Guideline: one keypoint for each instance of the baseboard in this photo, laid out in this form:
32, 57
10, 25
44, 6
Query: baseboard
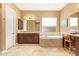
4, 51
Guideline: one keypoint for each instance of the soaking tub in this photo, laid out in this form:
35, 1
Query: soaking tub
54, 40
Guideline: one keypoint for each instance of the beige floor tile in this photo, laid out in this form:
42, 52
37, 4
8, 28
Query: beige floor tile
35, 50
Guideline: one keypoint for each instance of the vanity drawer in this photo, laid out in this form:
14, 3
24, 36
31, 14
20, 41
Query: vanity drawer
72, 37
77, 46
77, 52
77, 40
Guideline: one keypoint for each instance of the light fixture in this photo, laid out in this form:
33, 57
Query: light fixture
30, 18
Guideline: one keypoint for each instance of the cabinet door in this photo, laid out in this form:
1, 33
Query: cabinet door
77, 42
20, 38
36, 38
28, 38
73, 41
77, 52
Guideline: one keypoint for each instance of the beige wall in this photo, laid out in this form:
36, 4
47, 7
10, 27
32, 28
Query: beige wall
0, 5
69, 9
40, 14
13, 6
66, 12
0, 27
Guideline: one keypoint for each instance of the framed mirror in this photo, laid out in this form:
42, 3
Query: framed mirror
20, 24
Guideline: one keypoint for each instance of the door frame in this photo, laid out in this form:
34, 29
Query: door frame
14, 25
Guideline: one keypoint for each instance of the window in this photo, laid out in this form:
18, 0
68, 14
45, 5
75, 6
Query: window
49, 24
73, 24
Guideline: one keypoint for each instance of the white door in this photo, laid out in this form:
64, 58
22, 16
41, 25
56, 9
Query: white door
10, 27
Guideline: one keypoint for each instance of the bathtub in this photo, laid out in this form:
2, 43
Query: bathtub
54, 41
54, 37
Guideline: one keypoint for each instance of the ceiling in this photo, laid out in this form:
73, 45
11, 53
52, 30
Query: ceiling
41, 6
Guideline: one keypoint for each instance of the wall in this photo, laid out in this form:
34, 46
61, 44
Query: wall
0, 27
13, 6
66, 12
69, 9
40, 14
0, 5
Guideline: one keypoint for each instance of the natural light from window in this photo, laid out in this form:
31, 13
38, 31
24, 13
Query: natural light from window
73, 24
49, 24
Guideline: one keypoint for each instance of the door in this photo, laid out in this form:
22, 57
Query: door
10, 27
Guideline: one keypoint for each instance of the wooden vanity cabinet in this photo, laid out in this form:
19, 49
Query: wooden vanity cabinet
72, 43
75, 44
36, 38
67, 42
19, 38
28, 38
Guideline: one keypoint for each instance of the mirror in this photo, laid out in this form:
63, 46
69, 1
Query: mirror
33, 26
64, 23
20, 24
73, 22
29, 25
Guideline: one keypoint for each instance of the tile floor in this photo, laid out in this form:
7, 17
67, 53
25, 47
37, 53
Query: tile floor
35, 50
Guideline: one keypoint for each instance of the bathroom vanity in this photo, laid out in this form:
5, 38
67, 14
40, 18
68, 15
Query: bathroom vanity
75, 44
71, 41
28, 32
28, 38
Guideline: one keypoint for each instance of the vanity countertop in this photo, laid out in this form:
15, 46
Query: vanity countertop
72, 34
75, 35
26, 32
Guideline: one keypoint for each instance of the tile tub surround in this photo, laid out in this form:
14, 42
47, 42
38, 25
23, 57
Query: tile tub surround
54, 40
52, 43
35, 50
